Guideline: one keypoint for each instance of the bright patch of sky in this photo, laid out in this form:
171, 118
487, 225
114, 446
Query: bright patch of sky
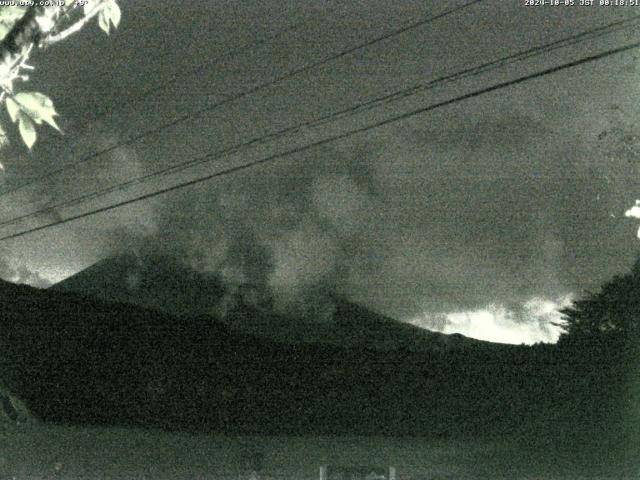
533, 322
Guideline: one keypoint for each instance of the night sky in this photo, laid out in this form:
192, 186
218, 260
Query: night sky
482, 217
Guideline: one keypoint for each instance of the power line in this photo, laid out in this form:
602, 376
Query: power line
517, 57
333, 138
476, 70
245, 93
148, 92
194, 71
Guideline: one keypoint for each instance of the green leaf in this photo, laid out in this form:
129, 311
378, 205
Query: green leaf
4, 29
103, 21
114, 13
13, 108
3, 138
109, 15
10, 14
38, 106
27, 129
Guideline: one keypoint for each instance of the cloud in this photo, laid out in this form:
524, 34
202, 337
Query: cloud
413, 223
20, 274
528, 323
463, 217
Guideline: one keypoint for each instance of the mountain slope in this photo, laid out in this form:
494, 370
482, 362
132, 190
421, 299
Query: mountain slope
165, 284
77, 360
157, 282
352, 326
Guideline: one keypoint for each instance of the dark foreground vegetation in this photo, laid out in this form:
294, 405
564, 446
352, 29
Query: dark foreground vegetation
79, 361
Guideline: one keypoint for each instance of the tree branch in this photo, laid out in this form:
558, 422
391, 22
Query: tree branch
76, 27
29, 30
13, 41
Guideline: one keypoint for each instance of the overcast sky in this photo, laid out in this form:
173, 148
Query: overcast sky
482, 217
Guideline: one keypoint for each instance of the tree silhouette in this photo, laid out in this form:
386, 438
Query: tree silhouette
610, 317
600, 356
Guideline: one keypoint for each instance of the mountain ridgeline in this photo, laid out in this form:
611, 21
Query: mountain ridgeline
111, 354
163, 283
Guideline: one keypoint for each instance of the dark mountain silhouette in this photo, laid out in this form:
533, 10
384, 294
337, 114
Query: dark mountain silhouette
165, 284
78, 360
158, 282
74, 359
352, 326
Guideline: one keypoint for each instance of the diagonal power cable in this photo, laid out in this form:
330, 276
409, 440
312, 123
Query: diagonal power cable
347, 134
256, 88
394, 96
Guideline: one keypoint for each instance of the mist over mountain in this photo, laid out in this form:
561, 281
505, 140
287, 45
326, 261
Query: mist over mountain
160, 282
118, 364
165, 283
271, 225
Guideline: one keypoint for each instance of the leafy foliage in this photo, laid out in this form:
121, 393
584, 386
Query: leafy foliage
3, 137
38, 106
8, 17
611, 315
27, 129
602, 339
109, 15
30, 109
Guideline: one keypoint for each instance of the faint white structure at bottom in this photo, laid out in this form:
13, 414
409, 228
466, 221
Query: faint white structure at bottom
331, 472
